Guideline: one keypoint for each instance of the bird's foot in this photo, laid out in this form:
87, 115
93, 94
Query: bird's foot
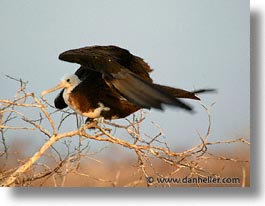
90, 124
96, 122
100, 120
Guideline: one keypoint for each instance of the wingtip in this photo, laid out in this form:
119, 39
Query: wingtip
68, 56
62, 56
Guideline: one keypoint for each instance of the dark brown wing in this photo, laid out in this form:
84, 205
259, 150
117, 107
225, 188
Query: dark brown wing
99, 58
125, 73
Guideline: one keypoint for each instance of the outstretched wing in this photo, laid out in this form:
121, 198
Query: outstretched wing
124, 72
95, 56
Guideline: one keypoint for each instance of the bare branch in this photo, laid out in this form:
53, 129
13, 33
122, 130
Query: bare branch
151, 151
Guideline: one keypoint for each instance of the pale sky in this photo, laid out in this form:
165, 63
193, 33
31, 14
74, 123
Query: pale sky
189, 44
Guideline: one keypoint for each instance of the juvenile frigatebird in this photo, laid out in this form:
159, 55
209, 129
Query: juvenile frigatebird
112, 83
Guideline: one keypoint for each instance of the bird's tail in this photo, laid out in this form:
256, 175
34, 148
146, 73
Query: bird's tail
181, 93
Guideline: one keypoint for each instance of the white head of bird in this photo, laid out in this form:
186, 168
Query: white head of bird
68, 82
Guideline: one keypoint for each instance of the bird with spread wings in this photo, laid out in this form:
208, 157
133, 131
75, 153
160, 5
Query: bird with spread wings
112, 83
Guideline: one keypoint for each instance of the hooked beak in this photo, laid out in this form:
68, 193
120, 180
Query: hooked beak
58, 86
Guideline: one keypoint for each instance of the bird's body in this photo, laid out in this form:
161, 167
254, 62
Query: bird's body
112, 83
94, 98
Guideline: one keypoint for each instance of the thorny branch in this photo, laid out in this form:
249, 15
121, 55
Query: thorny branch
148, 149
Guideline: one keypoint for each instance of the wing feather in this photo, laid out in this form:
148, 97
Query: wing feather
126, 73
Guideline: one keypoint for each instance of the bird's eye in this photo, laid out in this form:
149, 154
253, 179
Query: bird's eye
68, 80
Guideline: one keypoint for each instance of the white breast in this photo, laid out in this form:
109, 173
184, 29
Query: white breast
97, 112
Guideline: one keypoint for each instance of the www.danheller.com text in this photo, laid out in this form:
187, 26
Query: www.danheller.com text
194, 180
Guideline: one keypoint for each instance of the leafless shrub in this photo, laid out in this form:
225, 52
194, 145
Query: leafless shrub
154, 157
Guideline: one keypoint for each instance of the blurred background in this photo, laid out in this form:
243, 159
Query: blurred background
190, 44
